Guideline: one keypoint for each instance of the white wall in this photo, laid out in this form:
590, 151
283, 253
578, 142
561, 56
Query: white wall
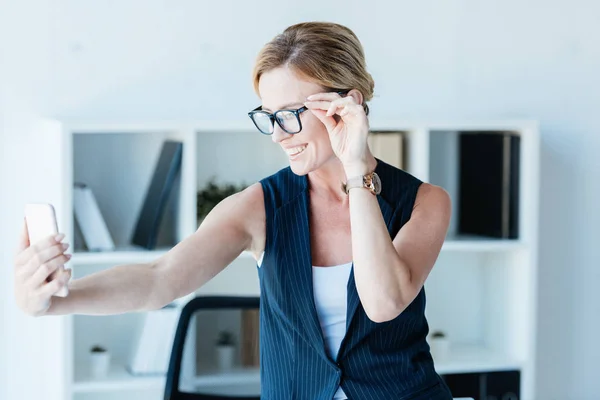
459, 59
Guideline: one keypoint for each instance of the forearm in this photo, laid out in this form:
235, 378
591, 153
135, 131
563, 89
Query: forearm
382, 280
117, 290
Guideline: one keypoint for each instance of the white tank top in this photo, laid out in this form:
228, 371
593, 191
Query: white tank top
330, 295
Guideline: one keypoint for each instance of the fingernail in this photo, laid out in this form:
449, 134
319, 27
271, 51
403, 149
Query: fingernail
65, 246
310, 97
68, 256
59, 237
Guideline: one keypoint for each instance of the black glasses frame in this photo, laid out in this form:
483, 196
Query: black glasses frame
273, 116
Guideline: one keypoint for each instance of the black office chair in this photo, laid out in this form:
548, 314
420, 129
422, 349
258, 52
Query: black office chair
172, 388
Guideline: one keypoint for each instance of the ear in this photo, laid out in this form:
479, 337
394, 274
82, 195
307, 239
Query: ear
357, 95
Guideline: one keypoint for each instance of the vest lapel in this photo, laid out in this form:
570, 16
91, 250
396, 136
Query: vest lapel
295, 237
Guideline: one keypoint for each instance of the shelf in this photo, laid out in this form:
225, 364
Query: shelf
126, 255
481, 244
122, 255
118, 379
469, 359
236, 376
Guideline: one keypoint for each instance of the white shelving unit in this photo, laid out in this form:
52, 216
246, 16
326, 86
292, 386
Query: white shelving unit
482, 291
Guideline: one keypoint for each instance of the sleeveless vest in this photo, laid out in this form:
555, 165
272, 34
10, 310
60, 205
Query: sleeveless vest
389, 360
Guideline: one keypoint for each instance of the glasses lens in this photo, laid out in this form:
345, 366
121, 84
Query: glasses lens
263, 122
288, 120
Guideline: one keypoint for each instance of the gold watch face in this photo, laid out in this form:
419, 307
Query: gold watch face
376, 183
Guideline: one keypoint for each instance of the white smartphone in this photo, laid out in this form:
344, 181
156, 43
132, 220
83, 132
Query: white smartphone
41, 223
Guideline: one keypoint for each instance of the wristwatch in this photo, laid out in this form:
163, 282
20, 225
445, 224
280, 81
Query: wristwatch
369, 181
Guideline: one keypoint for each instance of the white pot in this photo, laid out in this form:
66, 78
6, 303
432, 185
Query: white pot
225, 357
99, 364
440, 348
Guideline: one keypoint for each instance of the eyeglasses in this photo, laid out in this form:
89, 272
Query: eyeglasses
288, 119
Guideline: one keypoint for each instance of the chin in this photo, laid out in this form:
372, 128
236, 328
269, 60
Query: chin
299, 169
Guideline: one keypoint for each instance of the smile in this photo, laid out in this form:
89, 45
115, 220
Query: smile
294, 151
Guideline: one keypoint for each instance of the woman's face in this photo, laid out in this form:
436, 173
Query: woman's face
309, 149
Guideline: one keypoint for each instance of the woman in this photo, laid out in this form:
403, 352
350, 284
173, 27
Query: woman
344, 242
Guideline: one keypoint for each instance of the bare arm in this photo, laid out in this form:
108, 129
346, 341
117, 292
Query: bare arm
390, 273
233, 226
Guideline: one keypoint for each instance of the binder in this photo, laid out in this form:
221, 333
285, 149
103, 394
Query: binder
89, 219
489, 184
165, 172
388, 146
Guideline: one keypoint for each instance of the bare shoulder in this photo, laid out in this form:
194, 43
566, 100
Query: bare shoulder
246, 210
433, 199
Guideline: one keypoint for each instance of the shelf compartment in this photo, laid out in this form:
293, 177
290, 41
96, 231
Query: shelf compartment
475, 359
118, 168
117, 379
457, 161
481, 244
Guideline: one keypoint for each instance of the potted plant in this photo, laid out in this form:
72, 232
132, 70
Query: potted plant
225, 350
439, 345
99, 361
211, 195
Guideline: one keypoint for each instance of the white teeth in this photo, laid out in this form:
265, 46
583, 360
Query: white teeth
295, 150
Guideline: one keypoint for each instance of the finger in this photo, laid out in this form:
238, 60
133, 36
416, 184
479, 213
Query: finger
53, 269
43, 245
318, 104
328, 96
50, 289
42, 257
350, 109
329, 122
339, 104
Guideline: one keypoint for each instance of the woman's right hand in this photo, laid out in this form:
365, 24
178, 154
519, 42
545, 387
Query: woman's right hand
34, 264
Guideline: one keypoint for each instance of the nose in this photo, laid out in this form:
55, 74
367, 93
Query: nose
279, 134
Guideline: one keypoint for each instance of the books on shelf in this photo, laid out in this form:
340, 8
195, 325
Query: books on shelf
489, 184
165, 173
90, 223
153, 348
388, 146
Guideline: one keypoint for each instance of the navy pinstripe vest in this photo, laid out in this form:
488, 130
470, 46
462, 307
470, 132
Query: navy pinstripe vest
389, 360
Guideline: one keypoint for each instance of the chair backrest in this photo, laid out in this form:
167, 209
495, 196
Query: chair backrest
172, 389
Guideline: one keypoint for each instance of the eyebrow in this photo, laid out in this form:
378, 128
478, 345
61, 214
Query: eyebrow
284, 106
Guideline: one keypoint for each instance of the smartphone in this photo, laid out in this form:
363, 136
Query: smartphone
41, 223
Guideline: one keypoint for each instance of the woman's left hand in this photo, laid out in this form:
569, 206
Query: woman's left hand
346, 123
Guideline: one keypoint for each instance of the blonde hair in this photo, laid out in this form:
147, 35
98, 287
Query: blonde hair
328, 54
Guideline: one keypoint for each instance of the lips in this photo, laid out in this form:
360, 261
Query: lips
294, 151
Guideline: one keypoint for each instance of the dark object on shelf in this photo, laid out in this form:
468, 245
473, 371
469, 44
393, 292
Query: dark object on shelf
165, 173
226, 338
501, 385
173, 391
213, 194
97, 349
489, 184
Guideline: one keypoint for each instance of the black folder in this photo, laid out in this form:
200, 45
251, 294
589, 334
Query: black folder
489, 184
165, 173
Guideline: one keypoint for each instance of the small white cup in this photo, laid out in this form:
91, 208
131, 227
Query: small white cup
225, 357
99, 364
440, 348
